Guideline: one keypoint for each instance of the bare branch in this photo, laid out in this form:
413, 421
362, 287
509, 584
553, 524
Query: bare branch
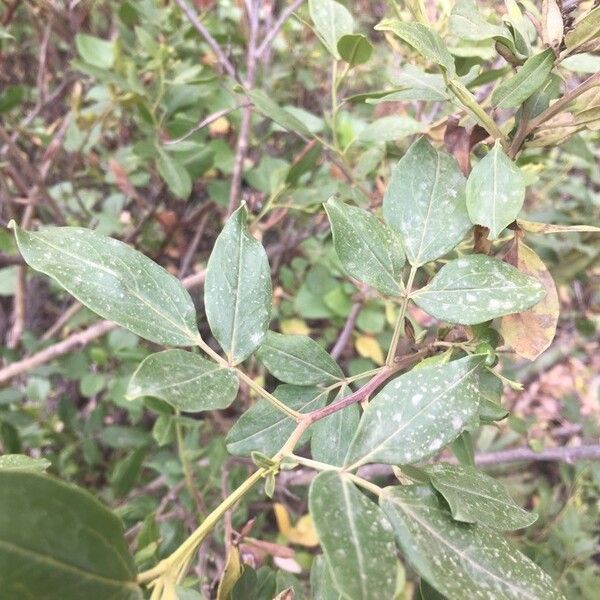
272, 34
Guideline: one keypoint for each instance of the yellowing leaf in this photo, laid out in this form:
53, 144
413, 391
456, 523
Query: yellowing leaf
231, 573
294, 327
302, 533
368, 347
531, 332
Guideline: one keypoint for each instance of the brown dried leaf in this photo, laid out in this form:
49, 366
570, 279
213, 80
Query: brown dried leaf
531, 332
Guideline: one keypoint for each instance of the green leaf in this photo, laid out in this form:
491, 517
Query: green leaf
237, 291
184, 380
474, 497
127, 471
115, 281
264, 104
425, 202
332, 435
355, 49
332, 21
94, 51
11, 96
298, 359
417, 414
461, 560
587, 28
532, 75
423, 40
57, 541
495, 191
357, 541
390, 129
467, 23
21, 462
415, 84
322, 586
265, 429
477, 288
175, 175
369, 250
490, 396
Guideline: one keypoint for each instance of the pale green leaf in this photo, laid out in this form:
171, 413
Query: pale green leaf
184, 380
95, 51
585, 29
270, 109
237, 291
415, 84
532, 75
174, 174
461, 560
423, 40
332, 435
115, 281
368, 249
390, 129
322, 586
357, 541
263, 428
298, 359
474, 497
21, 462
332, 21
477, 288
495, 191
467, 23
417, 414
425, 202
354, 48
57, 541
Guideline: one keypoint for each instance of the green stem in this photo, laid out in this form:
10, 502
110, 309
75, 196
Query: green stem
400, 320
183, 459
313, 464
278, 404
363, 483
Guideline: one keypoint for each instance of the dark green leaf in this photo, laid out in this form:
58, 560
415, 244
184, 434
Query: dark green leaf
298, 359
477, 288
356, 539
127, 471
532, 75
265, 429
474, 497
355, 49
495, 191
57, 541
270, 109
184, 380
458, 559
237, 291
425, 202
115, 281
417, 414
11, 96
369, 250
174, 175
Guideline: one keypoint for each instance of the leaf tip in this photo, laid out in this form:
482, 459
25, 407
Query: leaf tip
12, 224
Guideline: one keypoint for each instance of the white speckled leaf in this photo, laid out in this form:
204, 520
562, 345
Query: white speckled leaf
184, 380
477, 288
425, 202
357, 540
237, 290
495, 191
265, 429
332, 435
298, 359
369, 250
458, 559
417, 414
22, 462
115, 281
321, 581
474, 497
332, 21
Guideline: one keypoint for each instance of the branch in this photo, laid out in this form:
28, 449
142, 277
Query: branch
346, 332
272, 34
208, 38
75, 340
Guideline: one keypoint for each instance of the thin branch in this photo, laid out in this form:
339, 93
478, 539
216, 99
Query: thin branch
568, 454
190, 13
347, 330
272, 34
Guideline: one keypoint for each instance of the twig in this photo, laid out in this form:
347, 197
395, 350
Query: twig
272, 34
208, 38
241, 150
76, 340
193, 246
347, 330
